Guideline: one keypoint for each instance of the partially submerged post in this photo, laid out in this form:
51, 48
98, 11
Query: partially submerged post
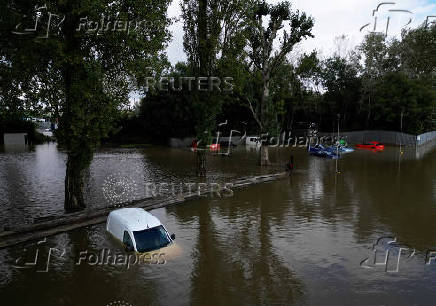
201, 162
290, 165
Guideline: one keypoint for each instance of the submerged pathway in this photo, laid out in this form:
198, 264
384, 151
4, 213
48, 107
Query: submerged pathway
49, 226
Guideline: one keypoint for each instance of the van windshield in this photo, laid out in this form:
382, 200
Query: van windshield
151, 239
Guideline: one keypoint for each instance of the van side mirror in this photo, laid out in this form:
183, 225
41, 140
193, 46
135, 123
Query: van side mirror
173, 236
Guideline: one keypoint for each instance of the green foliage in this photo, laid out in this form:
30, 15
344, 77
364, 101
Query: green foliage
265, 60
167, 114
84, 76
417, 52
369, 87
340, 78
396, 93
398, 76
215, 47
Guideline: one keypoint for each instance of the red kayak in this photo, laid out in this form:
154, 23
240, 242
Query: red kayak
214, 147
372, 145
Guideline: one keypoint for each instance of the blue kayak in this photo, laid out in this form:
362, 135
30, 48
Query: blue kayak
321, 151
341, 149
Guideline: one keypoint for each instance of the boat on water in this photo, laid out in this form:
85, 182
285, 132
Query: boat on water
372, 145
341, 149
214, 147
345, 149
321, 151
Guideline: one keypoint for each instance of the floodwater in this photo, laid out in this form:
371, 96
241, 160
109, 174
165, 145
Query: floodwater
306, 240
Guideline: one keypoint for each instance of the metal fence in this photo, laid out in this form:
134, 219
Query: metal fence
425, 138
387, 137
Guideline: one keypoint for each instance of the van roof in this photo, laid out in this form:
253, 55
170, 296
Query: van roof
136, 219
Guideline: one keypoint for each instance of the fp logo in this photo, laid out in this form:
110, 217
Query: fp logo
387, 253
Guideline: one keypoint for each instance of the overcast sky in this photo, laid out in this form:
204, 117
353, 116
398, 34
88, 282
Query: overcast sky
333, 18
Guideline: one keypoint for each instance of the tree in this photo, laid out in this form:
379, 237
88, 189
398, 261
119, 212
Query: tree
266, 61
340, 77
374, 50
392, 72
396, 93
416, 51
93, 67
166, 114
295, 92
211, 34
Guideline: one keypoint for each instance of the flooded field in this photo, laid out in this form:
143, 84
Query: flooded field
310, 239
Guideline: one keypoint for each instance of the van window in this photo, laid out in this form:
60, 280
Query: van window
127, 240
151, 239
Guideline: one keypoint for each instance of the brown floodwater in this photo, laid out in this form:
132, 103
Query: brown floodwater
300, 240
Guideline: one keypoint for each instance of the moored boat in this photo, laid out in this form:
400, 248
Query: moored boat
372, 145
341, 149
320, 151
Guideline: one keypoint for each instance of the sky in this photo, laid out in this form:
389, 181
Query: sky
333, 18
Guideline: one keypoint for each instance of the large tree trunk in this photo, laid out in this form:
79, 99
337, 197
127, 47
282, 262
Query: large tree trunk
74, 184
71, 128
265, 97
265, 118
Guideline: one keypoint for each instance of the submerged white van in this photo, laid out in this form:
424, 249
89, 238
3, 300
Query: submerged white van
138, 230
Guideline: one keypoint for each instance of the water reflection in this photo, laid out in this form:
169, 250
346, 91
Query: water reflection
235, 255
33, 182
299, 240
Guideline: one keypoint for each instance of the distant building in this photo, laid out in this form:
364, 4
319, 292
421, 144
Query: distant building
14, 138
14, 141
